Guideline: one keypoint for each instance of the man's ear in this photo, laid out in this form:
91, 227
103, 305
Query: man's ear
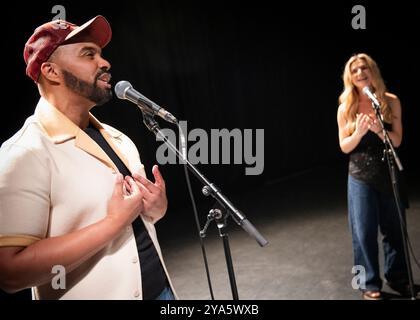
50, 71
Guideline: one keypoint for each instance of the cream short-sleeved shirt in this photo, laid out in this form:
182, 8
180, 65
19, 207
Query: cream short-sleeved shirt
54, 179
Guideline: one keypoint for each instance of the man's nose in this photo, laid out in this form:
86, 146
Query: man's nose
104, 64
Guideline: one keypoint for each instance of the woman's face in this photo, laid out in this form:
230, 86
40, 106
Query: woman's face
361, 75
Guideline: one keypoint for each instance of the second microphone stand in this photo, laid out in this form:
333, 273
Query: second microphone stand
392, 158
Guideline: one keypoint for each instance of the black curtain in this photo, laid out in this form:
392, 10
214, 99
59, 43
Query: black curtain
231, 64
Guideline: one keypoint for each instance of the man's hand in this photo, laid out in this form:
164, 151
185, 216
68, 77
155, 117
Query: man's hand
125, 206
155, 202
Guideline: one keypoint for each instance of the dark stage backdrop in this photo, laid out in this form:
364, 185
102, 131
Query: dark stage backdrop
232, 64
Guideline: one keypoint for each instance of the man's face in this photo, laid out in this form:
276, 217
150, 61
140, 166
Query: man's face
88, 90
84, 71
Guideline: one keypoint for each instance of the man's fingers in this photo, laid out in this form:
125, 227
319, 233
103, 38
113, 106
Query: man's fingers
127, 185
150, 186
134, 187
142, 179
144, 190
158, 176
118, 188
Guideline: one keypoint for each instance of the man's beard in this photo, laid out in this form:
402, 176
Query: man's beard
87, 90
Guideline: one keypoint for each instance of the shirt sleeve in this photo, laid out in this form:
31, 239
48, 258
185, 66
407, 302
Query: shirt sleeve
24, 196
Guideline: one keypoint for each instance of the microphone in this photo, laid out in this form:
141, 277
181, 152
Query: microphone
124, 90
372, 97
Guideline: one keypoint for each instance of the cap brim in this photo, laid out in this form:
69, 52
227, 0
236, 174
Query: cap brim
96, 30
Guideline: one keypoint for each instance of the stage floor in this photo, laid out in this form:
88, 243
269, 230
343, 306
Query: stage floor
304, 217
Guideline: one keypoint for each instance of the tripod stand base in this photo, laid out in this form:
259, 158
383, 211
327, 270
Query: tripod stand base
404, 290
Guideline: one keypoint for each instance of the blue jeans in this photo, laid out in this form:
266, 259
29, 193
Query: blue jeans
368, 210
166, 294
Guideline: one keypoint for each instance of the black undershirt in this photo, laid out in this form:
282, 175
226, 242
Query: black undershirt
152, 273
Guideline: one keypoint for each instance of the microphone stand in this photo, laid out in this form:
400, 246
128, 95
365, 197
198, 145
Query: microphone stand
210, 189
392, 159
220, 216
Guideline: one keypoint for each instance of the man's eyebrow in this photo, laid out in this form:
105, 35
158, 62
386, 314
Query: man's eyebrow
91, 48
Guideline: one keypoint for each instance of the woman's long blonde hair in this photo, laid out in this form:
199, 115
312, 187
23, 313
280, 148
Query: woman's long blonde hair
350, 97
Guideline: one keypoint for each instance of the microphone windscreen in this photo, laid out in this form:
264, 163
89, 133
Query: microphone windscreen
121, 88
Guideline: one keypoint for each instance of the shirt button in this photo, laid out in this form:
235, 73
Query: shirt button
136, 293
134, 260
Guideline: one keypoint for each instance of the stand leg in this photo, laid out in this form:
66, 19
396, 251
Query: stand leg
221, 224
403, 225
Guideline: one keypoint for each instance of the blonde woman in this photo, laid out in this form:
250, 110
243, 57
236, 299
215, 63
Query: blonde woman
371, 203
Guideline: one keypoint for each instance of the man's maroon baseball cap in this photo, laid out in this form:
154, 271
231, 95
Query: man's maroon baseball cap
47, 37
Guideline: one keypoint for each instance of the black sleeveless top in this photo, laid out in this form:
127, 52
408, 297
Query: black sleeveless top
366, 165
152, 274
366, 162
